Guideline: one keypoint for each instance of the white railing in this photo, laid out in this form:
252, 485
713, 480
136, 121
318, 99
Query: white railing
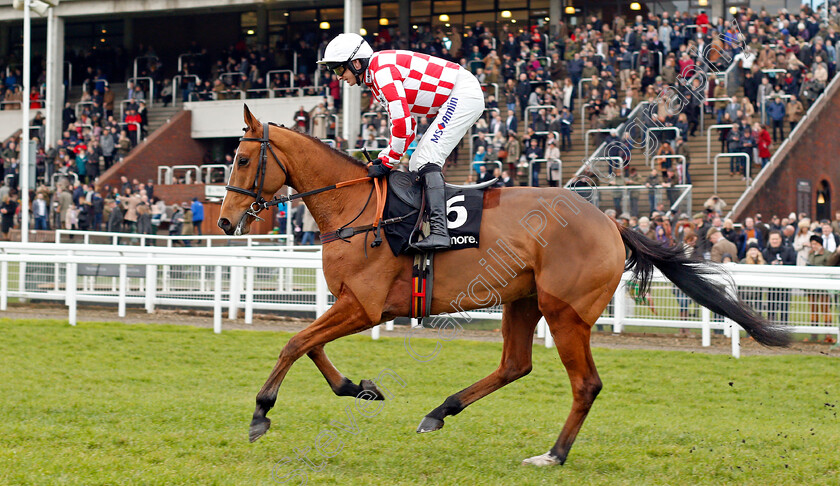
107, 238
292, 280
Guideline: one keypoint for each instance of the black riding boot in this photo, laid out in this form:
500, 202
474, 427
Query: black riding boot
438, 238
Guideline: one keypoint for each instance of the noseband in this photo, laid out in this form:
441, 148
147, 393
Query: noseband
259, 179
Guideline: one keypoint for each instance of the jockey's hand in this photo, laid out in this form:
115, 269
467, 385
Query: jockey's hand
377, 169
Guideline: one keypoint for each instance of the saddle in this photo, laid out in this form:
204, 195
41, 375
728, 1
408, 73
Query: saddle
405, 196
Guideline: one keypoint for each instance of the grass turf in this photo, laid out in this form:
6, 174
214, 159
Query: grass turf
142, 404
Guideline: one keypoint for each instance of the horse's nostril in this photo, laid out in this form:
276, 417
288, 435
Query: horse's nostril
224, 223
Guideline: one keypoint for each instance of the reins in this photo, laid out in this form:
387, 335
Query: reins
342, 233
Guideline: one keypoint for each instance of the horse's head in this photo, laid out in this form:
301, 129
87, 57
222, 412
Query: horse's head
256, 175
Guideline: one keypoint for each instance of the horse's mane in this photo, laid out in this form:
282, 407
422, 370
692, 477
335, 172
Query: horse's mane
335, 151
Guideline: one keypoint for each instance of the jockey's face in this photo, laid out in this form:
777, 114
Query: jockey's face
348, 76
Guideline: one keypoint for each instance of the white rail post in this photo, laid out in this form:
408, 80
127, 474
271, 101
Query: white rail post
389, 326
22, 280
541, 328
123, 285
619, 308
706, 322
151, 287
4, 284
374, 332
71, 292
321, 292
549, 339
249, 295
235, 292
217, 300
736, 340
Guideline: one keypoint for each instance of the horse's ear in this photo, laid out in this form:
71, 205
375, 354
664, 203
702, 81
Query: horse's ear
250, 121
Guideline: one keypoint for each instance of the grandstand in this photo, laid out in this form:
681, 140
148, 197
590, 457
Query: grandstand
178, 97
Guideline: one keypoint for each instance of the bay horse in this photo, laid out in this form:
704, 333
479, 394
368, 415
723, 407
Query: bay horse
555, 255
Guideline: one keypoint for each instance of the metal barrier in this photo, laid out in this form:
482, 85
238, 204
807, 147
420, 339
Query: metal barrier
534, 162
69, 74
580, 88
208, 169
586, 138
734, 155
138, 131
58, 176
176, 82
181, 59
97, 238
235, 74
619, 130
684, 170
657, 129
764, 105
636, 59
278, 71
188, 170
164, 174
79, 106
583, 108
529, 109
151, 100
85, 84
142, 57
709, 139
496, 163
495, 89
710, 100
274, 91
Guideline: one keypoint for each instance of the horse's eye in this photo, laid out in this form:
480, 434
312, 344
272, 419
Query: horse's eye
243, 161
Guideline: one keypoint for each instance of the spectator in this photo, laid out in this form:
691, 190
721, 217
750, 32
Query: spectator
777, 254
776, 112
197, 215
819, 300
115, 218
40, 212
720, 246
802, 242
830, 240
310, 227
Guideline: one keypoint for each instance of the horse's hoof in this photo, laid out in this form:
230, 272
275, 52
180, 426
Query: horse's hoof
368, 385
547, 459
259, 426
429, 424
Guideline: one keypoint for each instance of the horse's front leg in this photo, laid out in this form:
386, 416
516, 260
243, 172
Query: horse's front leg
346, 316
340, 384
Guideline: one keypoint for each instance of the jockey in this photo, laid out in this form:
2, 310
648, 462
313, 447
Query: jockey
412, 84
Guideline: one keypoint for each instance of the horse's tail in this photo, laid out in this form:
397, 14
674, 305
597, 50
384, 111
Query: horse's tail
691, 277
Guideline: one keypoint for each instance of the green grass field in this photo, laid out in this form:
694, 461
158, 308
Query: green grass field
135, 404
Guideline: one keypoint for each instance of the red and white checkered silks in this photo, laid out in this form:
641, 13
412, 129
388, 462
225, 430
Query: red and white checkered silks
408, 84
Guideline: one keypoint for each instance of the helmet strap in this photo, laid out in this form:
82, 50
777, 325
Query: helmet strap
358, 72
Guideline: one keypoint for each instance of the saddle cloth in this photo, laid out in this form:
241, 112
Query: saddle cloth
463, 204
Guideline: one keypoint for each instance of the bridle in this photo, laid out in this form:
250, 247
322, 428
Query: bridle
260, 203
259, 179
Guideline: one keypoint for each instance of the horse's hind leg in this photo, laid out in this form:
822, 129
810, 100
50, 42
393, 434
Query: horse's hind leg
571, 335
518, 322
340, 385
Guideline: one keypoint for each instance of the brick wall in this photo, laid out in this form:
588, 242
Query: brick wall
813, 156
171, 144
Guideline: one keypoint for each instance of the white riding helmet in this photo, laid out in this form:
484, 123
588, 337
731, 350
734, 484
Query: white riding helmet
345, 48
